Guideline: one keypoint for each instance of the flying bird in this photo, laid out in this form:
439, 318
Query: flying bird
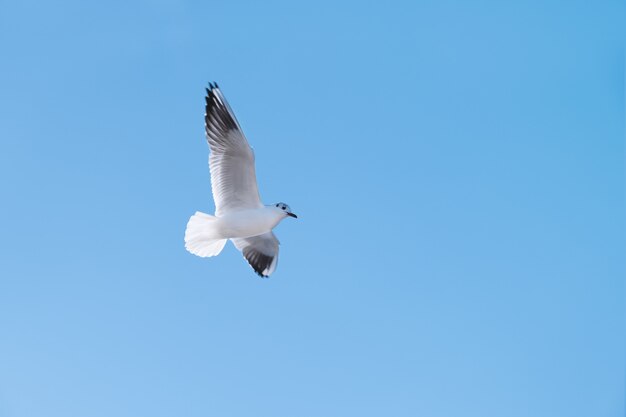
239, 214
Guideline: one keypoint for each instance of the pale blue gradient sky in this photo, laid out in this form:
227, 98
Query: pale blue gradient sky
458, 172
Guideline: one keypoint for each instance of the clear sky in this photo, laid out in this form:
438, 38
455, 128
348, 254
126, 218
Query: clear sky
458, 171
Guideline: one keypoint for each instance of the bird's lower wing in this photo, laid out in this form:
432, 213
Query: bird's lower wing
260, 251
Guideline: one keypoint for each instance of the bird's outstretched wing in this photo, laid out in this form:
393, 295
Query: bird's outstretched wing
233, 179
260, 251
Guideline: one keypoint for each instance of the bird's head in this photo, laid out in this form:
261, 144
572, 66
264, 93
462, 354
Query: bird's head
285, 209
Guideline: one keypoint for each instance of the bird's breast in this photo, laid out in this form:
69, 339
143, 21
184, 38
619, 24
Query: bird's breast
246, 223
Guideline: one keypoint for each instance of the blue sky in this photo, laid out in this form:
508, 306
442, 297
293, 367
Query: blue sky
458, 171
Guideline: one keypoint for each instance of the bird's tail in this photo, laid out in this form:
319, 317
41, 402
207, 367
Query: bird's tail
200, 236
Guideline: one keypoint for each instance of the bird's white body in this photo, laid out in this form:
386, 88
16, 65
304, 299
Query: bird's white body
245, 223
239, 214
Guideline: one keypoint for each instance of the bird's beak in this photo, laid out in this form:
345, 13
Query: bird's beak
292, 215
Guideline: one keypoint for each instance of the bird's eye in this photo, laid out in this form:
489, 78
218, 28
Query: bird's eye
276, 205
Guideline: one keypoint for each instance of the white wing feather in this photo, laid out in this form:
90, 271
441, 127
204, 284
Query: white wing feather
233, 178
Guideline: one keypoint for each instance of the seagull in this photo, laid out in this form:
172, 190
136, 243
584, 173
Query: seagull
239, 214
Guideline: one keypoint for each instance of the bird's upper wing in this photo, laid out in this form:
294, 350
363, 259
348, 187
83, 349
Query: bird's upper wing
233, 179
260, 251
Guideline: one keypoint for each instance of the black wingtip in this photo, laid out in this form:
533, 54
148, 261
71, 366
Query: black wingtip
259, 273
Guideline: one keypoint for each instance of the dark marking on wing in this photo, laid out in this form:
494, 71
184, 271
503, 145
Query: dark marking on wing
218, 119
257, 260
